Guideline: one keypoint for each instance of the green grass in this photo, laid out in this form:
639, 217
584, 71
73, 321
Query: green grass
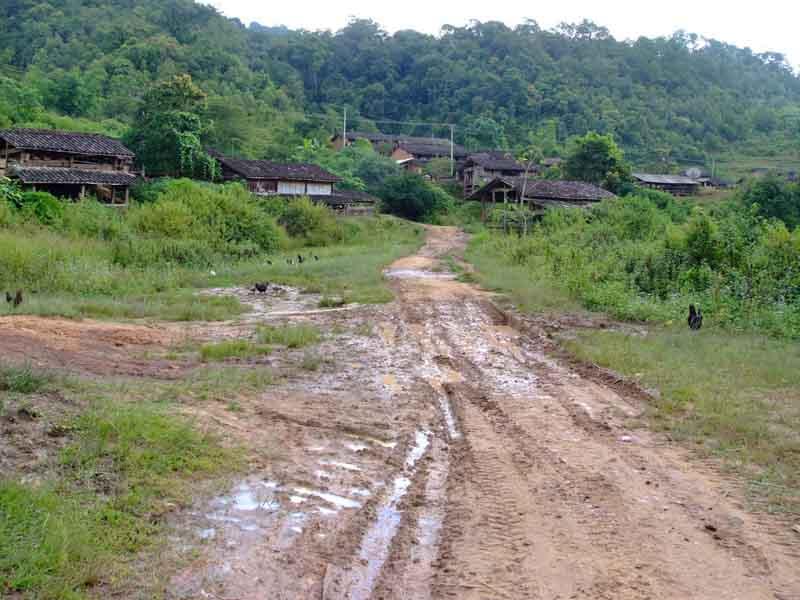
124, 469
734, 396
291, 336
23, 379
529, 292
219, 351
74, 278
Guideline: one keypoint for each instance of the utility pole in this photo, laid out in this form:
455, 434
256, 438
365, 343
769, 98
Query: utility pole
344, 128
452, 154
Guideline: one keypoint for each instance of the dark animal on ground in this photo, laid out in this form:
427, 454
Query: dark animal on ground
269, 262
9, 297
695, 319
300, 259
316, 257
18, 299
261, 288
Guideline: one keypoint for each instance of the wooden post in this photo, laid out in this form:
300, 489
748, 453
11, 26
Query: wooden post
83, 192
127, 192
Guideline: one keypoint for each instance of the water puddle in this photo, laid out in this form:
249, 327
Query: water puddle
377, 541
341, 465
337, 501
415, 274
356, 446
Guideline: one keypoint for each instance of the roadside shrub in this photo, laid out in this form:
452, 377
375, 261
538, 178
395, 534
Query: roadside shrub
311, 222
411, 196
7, 214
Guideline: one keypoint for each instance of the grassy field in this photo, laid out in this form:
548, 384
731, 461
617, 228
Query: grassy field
75, 278
732, 395
123, 466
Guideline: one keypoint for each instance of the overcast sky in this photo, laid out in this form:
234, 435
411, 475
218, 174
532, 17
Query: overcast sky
765, 25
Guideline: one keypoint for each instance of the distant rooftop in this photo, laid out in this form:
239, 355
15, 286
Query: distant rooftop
68, 142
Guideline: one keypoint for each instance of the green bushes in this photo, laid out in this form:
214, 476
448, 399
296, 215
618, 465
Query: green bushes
645, 257
310, 222
412, 197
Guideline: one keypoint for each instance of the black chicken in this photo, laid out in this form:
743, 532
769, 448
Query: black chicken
9, 297
300, 259
261, 288
316, 257
695, 318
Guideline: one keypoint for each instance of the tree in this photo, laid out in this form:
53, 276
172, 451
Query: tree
410, 196
168, 130
597, 159
774, 198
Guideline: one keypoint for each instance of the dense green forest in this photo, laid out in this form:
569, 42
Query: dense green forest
87, 64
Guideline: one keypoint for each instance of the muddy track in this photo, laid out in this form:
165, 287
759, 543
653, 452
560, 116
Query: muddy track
448, 456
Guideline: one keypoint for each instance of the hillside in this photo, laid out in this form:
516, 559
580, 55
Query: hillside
666, 100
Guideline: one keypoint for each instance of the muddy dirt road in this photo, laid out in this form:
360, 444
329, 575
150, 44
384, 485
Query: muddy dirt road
440, 453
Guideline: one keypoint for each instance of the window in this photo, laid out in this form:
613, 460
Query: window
291, 188
319, 189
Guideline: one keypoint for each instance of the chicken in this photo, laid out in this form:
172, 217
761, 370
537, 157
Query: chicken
695, 318
261, 288
9, 297
300, 259
18, 299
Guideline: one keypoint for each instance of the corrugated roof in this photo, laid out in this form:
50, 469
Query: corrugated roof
66, 176
52, 140
265, 169
655, 179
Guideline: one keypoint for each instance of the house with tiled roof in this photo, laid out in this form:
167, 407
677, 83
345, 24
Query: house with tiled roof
481, 167
68, 164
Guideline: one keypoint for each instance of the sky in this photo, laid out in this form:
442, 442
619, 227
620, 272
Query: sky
768, 25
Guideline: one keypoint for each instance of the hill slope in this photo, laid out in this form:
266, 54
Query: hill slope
666, 97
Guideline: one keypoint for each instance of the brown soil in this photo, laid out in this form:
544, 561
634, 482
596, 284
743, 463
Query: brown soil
89, 347
443, 451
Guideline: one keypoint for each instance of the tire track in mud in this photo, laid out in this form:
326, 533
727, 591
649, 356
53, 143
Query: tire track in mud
493, 471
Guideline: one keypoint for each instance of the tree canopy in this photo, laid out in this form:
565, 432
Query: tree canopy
88, 64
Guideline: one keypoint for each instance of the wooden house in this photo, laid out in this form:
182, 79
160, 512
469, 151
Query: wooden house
381, 142
414, 153
539, 194
677, 185
68, 164
265, 178
482, 167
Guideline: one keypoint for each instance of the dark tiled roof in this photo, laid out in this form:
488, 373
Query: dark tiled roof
496, 160
372, 137
654, 179
563, 190
431, 149
346, 197
545, 189
87, 144
58, 175
265, 169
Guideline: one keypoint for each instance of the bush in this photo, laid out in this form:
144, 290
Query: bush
311, 222
411, 196
42, 207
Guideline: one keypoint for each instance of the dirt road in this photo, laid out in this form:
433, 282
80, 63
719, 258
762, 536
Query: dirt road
440, 453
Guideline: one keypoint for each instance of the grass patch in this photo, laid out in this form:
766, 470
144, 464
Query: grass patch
311, 362
291, 336
123, 470
735, 396
530, 291
23, 379
219, 351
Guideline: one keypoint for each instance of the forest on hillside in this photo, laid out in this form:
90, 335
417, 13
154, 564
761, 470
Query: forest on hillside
87, 64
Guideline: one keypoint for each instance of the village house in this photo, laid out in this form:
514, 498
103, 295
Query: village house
381, 142
677, 185
67, 164
481, 167
539, 194
414, 153
267, 178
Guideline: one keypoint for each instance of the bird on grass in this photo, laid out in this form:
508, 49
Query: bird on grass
316, 257
15, 300
261, 288
695, 319
300, 259
269, 262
